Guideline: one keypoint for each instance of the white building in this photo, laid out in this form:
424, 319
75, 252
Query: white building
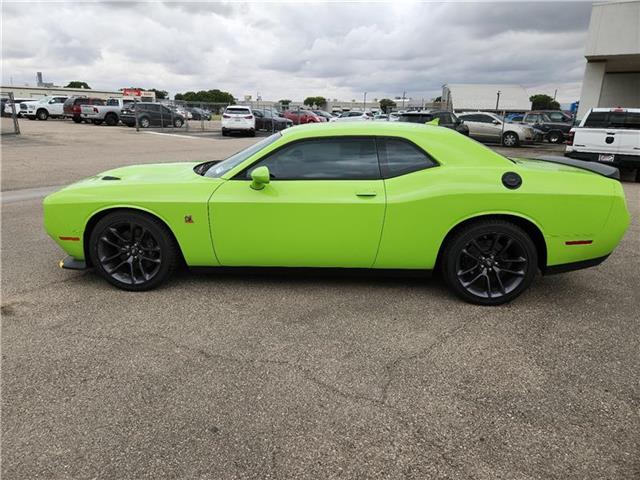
492, 98
612, 73
26, 91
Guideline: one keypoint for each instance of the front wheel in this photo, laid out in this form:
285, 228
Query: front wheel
177, 123
133, 251
144, 122
510, 139
42, 114
489, 262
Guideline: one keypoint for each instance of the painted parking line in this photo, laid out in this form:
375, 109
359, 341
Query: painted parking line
173, 135
26, 194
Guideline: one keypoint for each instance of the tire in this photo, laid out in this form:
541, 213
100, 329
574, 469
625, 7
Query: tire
489, 262
42, 114
177, 123
510, 139
144, 122
96, 122
77, 120
224, 132
555, 137
139, 264
111, 119
252, 133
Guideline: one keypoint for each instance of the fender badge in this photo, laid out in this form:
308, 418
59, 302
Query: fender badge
188, 219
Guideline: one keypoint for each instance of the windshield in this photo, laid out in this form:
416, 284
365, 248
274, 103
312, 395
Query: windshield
219, 169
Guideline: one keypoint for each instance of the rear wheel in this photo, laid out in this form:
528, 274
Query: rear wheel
252, 133
555, 137
177, 123
42, 114
224, 132
144, 122
77, 119
133, 251
489, 262
510, 139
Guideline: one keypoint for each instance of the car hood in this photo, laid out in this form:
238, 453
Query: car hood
152, 174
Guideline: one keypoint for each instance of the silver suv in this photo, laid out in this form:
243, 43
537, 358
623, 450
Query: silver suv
489, 127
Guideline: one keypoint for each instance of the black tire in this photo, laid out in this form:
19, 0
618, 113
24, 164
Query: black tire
252, 133
555, 137
489, 262
510, 139
96, 122
136, 261
42, 114
111, 119
76, 119
224, 132
177, 123
144, 122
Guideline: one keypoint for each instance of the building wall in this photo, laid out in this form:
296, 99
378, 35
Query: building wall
39, 92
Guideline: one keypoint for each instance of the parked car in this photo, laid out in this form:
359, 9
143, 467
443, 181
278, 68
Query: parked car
554, 132
384, 196
238, 118
386, 117
608, 135
43, 108
72, 106
559, 116
270, 121
445, 119
489, 127
323, 114
7, 106
199, 113
150, 115
108, 113
353, 116
299, 117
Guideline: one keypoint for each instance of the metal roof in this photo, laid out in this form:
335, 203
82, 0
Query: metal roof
483, 97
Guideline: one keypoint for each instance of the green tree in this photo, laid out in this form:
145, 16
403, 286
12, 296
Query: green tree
386, 105
541, 101
320, 102
77, 84
206, 96
284, 103
160, 94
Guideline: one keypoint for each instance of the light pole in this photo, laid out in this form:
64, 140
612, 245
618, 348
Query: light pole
364, 103
497, 100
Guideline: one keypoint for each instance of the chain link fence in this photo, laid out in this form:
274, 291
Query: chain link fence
9, 113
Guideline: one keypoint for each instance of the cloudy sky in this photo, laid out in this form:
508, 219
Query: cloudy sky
293, 50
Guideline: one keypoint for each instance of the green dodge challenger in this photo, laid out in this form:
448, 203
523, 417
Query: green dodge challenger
347, 195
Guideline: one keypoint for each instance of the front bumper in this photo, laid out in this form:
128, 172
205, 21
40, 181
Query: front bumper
70, 263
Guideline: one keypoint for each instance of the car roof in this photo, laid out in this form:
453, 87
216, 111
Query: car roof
360, 128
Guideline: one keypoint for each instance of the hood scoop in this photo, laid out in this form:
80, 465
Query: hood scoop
109, 177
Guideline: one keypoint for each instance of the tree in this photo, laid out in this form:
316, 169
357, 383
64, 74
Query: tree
160, 94
284, 103
77, 84
206, 96
386, 105
319, 102
437, 100
541, 101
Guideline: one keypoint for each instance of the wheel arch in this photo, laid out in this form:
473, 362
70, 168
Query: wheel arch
100, 214
528, 225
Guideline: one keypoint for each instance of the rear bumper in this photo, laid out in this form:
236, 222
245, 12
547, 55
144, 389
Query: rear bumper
619, 161
570, 267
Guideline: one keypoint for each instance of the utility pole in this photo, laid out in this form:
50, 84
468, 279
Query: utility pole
554, 94
364, 103
404, 96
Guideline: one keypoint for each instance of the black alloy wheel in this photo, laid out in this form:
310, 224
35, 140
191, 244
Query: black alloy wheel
490, 262
133, 251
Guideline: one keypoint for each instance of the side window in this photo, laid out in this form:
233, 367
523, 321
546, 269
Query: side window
323, 159
597, 120
485, 118
112, 102
399, 157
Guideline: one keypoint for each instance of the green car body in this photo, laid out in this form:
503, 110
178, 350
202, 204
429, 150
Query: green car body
403, 222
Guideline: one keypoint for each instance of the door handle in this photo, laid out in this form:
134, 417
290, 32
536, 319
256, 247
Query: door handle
366, 194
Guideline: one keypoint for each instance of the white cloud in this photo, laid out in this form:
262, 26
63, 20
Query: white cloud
294, 50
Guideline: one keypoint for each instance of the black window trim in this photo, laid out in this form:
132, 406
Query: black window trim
241, 175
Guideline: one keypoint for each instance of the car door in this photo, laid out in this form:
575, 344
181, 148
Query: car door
324, 207
55, 106
476, 127
490, 127
260, 120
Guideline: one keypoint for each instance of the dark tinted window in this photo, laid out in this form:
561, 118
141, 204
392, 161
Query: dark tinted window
597, 120
112, 102
624, 120
324, 159
399, 157
472, 118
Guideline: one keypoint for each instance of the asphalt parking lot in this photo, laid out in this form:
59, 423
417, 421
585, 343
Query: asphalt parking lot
291, 376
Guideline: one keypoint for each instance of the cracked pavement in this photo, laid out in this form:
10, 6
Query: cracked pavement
247, 375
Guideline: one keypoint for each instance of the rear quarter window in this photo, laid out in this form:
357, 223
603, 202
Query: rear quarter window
399, 157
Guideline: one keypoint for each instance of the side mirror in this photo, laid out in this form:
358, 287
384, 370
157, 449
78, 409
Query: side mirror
496, 122
260, 177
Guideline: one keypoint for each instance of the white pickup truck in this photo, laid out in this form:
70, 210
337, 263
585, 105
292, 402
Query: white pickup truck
608, 135
43, 108
108, 113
